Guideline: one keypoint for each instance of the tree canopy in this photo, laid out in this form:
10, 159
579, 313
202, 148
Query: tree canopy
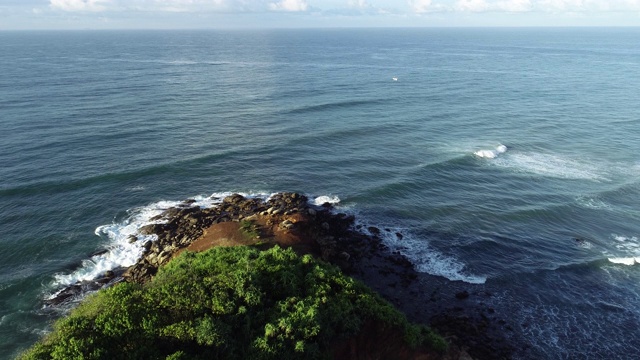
227, 303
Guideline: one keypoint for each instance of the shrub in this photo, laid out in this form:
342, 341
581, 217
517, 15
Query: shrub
226, 303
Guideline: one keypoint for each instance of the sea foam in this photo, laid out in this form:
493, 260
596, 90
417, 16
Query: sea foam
551, 165
320, 200
628, 250
491, 154
424, 258
125, 243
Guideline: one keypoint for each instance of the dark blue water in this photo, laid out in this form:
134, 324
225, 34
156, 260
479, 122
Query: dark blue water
508, 158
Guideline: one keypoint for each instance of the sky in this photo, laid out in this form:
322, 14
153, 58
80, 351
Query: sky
232, 14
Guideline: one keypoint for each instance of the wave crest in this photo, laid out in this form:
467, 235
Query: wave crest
424, 258
491, 154
628, 250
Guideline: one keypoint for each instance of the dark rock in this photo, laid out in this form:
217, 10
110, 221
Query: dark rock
462, 295
147, 245
64, 295
233, 199
374, 230
151, 229
99, 252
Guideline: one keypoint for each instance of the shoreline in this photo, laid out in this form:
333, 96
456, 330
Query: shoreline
289, 220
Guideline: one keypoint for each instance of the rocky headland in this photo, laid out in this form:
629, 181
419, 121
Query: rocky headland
474, 330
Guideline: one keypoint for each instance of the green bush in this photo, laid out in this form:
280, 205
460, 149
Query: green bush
226, 303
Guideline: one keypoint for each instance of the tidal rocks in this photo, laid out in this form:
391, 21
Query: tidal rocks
291, 212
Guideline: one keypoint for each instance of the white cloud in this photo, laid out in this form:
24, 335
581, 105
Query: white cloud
420, 6
471, 5
289, 5
80, 5
588, 5
515, 5
178, 5
498, 6
562, 5
360, 4
363, 6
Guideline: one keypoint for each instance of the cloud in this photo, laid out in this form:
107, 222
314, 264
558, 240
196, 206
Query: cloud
348, 6
198, 6
175, 5
471, 5
420, 6
360, 4
80, 5
498, 6
289, 5
515, 5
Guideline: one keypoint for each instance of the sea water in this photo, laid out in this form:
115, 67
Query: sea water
507, 158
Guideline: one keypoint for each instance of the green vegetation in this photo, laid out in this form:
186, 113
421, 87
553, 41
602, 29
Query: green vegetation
226, 303
249, 229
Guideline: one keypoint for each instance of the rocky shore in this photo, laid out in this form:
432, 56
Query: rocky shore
289, 220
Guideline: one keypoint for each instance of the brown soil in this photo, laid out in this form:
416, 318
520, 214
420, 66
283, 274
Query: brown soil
230, 234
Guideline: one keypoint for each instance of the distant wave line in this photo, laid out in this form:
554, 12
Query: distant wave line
334, 105
74, 184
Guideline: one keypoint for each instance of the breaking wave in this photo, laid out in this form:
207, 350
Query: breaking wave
628, 250
425, 258
491, 154
125, 243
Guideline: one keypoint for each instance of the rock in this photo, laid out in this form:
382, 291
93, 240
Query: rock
251, 218
311, 212
233, 199
287, 224
399, 236
147, 245
325, 226
462, 295
99, 252
151, 229
374, 230
132, 239
64, 295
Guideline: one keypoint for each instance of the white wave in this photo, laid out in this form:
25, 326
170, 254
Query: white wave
326, 199
625, 260
426, 259
550, 165
628, 250
491, 154
136, 188
593, 203
181, 62
584, 244
123, 252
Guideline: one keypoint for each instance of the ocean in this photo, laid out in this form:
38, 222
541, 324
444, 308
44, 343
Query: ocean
507, 158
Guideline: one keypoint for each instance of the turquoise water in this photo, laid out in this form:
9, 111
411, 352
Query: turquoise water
102, 129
